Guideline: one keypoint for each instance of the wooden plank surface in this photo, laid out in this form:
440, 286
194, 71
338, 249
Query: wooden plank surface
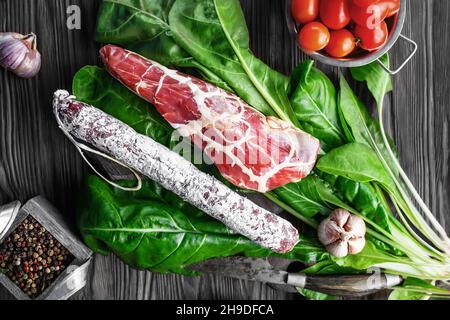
36, 159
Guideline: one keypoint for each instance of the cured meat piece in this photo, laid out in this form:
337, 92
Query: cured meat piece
250, 150
174, 173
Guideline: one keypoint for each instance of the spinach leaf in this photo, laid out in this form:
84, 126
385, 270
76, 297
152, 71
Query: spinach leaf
379, 83
326, 267
369, 257
317, 296
154, 229
401, 294
310, 196
378, 80
142, 27
417, 289
314, 103
363, 128
130, 21
373, 256
362, 197
356, 162
95, 86
215, 33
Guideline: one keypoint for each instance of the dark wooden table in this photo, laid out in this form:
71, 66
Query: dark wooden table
35, 158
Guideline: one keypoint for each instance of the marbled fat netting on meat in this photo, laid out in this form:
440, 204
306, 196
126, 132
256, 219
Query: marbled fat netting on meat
250, 150
173, 172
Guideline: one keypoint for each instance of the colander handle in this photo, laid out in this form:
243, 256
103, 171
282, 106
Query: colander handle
413, 52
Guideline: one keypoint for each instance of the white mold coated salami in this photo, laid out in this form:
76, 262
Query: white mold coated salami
173, 172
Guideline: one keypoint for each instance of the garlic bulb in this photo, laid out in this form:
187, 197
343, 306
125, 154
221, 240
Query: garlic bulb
342, 233
19, 54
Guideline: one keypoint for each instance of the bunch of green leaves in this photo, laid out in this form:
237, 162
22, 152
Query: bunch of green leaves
362, 171
153, 228
359, 171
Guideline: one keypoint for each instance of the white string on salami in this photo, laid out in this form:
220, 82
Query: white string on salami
153, 160
82, 147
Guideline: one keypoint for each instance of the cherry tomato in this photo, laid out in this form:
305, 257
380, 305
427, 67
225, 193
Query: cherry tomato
314, 36
372, 39
364, 3
305, 11
392, 6
334, 13
368, 17
342, 43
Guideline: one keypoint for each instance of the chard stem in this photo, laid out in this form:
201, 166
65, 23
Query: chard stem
419, 241
409, 184
389, 238
426, 291
410, 252
404, 274
408, 210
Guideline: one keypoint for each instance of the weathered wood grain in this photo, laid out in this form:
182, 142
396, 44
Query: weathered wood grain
35, 158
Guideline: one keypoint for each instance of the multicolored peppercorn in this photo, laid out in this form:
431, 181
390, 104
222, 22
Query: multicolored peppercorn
32, 258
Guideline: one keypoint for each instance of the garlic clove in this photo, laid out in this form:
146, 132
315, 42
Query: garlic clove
19, 54
356, 245
12, 52
341, 217
30, 65
356, 226
327, 232
338, 249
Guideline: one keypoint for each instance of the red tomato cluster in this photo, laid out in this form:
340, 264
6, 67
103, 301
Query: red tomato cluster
340, 26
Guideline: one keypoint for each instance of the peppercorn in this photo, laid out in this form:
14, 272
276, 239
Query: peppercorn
32, 258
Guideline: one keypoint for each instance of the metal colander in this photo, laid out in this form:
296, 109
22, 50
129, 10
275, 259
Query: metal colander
361, 60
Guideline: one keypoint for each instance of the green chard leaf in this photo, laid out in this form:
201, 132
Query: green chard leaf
215, 33
417, 289
317, 296
131, 21
310, 197
356, 162
154, 229
329, 267
362, 127
142, 27
314, 101
362, 197
326, 267
379, 83
373, 256
378, 80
